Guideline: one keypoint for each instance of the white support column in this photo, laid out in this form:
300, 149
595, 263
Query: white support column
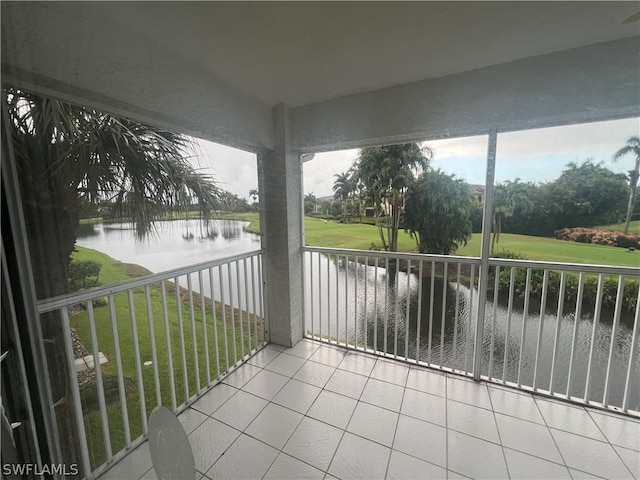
280, 197
484, 250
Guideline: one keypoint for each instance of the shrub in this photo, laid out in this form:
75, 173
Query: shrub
83, 274
599, 237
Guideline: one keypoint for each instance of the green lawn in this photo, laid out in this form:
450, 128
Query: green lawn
634, 227
114, 271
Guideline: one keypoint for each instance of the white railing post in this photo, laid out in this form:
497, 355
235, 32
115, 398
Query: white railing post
483, 280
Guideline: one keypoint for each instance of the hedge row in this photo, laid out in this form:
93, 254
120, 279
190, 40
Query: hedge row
599, 237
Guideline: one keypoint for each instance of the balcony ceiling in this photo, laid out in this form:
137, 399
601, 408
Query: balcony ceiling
235, 60
306, 52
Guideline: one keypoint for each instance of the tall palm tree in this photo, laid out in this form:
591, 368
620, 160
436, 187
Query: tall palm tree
387, 172
67, 156
632, 147
508, 197
342, 190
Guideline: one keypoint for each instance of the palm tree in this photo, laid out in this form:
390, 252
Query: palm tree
253, 193
508, 197
386, 173
68, 156
632, 147
342, 191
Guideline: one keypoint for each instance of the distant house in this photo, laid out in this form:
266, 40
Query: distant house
477, 192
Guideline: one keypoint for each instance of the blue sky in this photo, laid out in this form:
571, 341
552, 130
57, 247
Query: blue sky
532, 155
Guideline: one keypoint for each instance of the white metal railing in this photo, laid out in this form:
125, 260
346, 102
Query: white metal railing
565, 330
167, 339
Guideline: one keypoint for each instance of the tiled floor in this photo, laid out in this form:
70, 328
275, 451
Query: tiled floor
315, 411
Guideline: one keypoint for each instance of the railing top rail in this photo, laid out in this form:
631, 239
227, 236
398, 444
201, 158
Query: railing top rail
394, 255
55, 303
502, 262
581, 267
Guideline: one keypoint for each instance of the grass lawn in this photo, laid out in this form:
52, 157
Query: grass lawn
114, 271
634, 227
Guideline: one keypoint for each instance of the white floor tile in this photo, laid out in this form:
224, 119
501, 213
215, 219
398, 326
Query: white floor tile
569, 418
590, 456
288, 468
375, 423
328, 356
427, 381
525, 467
241, 375
304, 349
392, 372
520, 405
466, 391
266, 384
286, 364
191, 419
241, 411
246, 459
314, 443
405, 467
358, 363
580, 475
358, 458
263, 357
333, 408
298, 396
274, 425
314, 374
383, 394
209, 441
475, 458
214, 398
133, 466
346, 383
474, 421
620, 431
421, 439
631, 459
527, 437
424, 406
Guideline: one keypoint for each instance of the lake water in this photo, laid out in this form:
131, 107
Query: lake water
363, 317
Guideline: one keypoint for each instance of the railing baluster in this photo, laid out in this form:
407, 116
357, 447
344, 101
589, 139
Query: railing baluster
355, 306
419, 313
508, 327
253, 297
233, 314
556, 338
263, 301
594, 333
346, 301
216, 347
455, 318
224, 320
386, 303
240, 310
496, 289
119, 372
152, 337
328, 299
445, 284
407, 313
366, 304
203, 310
75, 392
632, 354
167, 337
525, 314
102, 404
338, 299
246, 302
396, 312
576, 326
192, 316
431, 302
311, 315
320, 296
183, 353
375, 311
543, 308
472, 282
614, 335
136, 353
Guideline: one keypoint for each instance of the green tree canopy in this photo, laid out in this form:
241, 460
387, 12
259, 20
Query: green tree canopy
438, 212
632, 148
386, 172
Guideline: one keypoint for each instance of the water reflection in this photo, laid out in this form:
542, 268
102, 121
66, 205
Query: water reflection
434, 321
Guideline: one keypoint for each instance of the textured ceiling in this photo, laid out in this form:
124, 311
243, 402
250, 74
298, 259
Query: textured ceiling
304, 52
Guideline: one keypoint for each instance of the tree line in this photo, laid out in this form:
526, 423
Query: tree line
397, 183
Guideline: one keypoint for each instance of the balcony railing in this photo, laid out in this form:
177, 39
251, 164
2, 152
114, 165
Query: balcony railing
564, 330
164, 339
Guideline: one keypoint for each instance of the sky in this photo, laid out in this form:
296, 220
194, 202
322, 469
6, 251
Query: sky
531, 155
